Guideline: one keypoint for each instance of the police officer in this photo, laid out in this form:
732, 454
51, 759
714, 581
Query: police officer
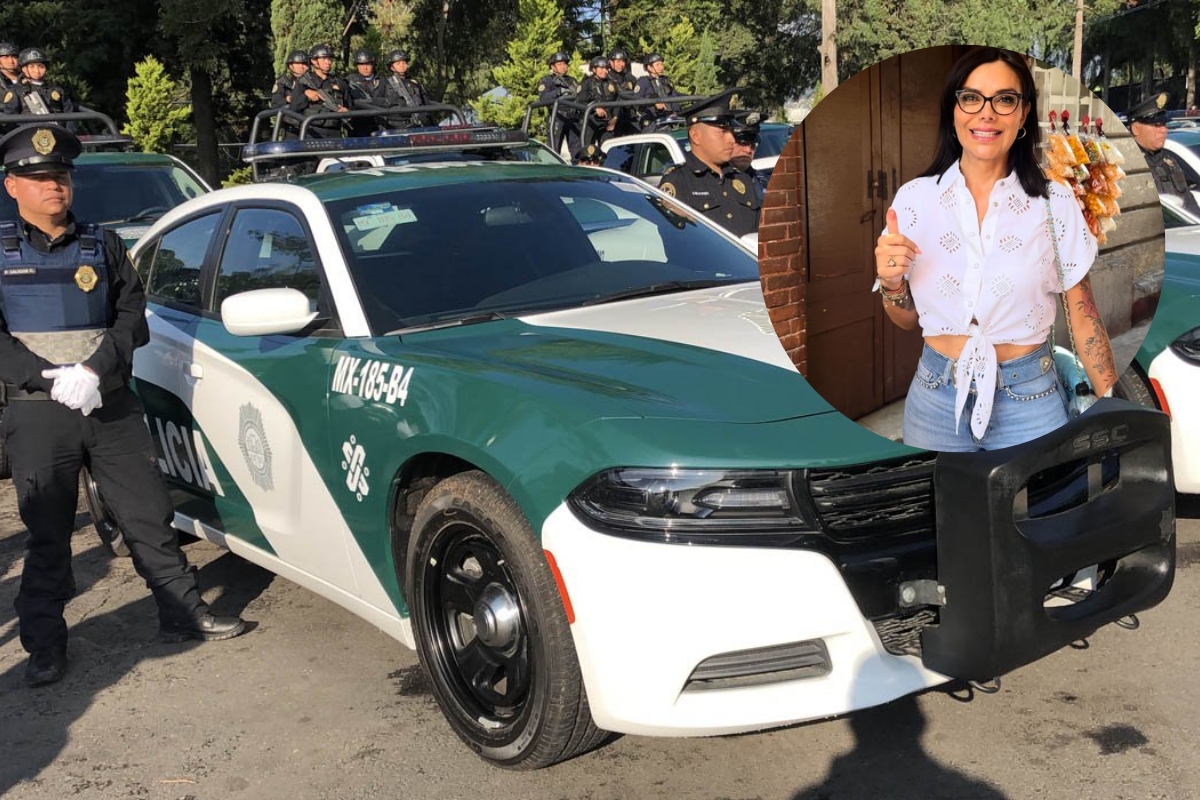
745, 142
402, 90
319, 91
367, 91
72, 312
595, 88
655, 84
618, 71
10, 72
558, 84
706, 180
33, 94
1149, 129
281, 93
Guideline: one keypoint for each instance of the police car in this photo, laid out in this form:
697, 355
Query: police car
533, 420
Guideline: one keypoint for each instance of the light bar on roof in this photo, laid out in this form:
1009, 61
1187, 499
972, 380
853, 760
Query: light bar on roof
391, 142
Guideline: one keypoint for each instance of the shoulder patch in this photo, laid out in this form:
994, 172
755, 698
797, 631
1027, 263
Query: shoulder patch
637, 89
8, 96
668, 188
56, 95
541, 87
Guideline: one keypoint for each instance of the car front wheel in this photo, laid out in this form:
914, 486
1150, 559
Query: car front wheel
491, 630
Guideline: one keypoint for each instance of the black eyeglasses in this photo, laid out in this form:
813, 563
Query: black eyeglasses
1003, 103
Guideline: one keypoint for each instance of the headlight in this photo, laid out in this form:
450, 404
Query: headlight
1187, 346
697, 506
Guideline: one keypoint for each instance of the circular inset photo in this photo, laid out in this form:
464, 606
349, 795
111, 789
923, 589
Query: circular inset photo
961, 248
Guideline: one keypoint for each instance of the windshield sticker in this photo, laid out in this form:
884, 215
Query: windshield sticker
378, 215
252, 439
264, 252
370, 379
354, 459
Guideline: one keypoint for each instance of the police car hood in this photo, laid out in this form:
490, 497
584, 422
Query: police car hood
708, 355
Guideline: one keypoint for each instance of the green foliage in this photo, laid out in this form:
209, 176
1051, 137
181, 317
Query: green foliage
304, 24
536, 38
390, 26
155, 121
239, 177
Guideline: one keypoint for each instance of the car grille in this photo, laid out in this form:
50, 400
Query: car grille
901, 635
762, 665
860, 502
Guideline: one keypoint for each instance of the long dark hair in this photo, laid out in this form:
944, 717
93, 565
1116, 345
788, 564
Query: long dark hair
1022, 156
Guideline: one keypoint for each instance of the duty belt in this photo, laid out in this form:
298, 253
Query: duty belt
12, 392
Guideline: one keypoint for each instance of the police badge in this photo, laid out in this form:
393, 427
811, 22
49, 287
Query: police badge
55, 96
669, 188
43, 142
85, 278
738, 186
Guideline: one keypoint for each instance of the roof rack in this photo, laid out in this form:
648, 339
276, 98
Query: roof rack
113, 140
303, 122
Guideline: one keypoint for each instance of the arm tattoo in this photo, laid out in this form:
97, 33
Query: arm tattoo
1096, 347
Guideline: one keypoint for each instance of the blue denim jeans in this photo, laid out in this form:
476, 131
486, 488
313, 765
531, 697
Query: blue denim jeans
1029, 402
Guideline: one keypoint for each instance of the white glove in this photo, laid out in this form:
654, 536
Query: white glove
76, 387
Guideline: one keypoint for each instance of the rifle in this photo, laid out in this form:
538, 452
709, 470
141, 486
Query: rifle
34, 102
326, 100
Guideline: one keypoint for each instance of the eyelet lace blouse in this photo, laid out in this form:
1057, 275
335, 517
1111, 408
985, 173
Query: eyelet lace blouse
1001, 274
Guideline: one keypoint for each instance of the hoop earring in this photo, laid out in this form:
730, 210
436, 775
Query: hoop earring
1021, 135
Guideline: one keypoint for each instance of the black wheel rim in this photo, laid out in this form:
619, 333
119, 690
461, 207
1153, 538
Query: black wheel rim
476, 624
105, 524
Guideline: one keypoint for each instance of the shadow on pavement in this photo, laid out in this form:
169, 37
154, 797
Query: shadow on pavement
888, 761
103, 648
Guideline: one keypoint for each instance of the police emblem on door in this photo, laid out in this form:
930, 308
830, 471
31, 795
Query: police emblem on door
354, 465
252, 439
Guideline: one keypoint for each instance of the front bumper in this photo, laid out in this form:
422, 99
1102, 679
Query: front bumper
1180, 382
648, 614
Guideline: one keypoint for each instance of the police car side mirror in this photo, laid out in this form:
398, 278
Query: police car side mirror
265, 312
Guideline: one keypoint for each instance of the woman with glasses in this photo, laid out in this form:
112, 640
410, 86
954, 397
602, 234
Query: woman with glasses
969, 257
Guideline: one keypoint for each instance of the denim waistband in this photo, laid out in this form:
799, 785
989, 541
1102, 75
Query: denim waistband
1008, 373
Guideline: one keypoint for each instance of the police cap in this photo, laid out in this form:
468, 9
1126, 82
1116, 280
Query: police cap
558, 57
653, 58
32, 55
746, 125
297, 57
396, 55
618, 54
364, 57
714, 110
9, 49
592, 154
1151, 111
39, 148
598, 62
320, 51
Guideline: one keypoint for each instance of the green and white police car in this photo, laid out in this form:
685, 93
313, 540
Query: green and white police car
534, 421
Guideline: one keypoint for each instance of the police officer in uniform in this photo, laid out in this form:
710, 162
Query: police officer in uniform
281, 93
596, 88
319, 91
618, 71
401, 90
10, 73
33, 94
367, 91
1149, 129
655, 84
745, 142
558, 84
72, 311
706, 180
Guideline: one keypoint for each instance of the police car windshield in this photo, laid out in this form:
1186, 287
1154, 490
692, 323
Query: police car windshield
462, 251
123, 193
771, 140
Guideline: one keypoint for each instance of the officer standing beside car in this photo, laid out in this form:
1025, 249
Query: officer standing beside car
1149, 128
72, 312
320, 91
367, 91
559, 85
706, 180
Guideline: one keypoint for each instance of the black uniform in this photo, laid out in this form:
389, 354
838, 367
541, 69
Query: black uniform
43, 97
594, 89
281, 97
655, 87
1169, 178
7, 83
728, 198
567, 121
365, 93
626, 90
405, 91
334, 90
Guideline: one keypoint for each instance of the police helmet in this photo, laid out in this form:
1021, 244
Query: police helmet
9, 49
558, 57
364, 57
320, 51
396, 55
618, 54
598, 62
653, 58
297, 57
32, 55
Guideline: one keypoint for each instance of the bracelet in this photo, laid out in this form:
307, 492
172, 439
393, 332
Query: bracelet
896, 297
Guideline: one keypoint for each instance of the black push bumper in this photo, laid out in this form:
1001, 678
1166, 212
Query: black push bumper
1013, 523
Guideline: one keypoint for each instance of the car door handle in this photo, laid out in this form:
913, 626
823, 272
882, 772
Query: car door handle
195, 371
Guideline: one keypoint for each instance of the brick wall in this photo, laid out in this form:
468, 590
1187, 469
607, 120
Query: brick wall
779, 261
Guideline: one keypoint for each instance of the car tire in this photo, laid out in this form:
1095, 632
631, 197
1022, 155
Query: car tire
106, 524
1133, 387
491, 630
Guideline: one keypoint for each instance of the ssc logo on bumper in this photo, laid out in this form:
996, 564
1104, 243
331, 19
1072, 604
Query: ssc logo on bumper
252, 440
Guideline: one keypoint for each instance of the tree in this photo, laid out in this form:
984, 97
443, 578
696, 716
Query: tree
155, 120
537, 37
390, 23
304, 24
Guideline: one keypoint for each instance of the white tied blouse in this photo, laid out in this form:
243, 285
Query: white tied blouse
1000, 274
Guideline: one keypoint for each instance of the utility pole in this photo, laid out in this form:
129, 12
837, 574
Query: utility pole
1077, 58
828, 49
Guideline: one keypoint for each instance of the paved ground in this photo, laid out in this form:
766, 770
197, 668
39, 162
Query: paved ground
314, 703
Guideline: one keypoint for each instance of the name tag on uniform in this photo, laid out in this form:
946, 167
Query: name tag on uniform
701, 194
20, 271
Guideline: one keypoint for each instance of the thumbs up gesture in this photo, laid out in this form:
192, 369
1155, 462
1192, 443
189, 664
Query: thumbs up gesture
894, 254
